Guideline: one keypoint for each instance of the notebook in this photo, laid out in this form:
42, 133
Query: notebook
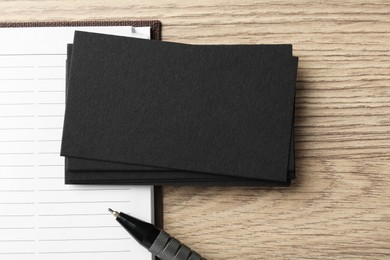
40, 217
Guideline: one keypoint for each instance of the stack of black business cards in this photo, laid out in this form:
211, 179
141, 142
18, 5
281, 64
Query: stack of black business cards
151, 112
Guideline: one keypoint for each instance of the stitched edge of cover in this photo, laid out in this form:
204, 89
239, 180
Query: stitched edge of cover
154, 24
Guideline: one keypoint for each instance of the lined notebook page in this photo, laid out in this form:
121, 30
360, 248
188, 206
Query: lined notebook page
40, 217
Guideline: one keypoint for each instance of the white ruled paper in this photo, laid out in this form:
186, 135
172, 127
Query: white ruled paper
41, 217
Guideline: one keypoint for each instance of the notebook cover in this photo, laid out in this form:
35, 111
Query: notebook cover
282, 178
155, 34
155, 25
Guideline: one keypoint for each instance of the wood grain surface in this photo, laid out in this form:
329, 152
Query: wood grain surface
339, 205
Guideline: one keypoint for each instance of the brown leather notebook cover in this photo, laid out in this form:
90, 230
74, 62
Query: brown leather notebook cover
155, 26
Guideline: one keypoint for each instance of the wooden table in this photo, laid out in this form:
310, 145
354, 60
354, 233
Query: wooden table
339, 205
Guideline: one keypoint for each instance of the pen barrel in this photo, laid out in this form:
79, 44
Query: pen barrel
166, 247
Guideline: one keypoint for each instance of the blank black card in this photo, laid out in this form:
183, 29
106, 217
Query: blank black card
191, 108
83, 171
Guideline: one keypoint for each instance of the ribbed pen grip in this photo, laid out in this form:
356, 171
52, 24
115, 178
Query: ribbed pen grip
166, 247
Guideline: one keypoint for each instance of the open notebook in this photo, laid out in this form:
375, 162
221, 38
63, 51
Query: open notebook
40, 217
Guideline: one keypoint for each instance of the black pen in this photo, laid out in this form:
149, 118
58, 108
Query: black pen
157, 241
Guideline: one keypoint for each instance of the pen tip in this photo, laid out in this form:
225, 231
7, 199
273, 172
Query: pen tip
113, 212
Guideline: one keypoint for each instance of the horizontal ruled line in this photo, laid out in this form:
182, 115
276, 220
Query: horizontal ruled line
73, 215
49, 128
85, 252
16, 79
50, 78
16, 141
51, 91
60, 103
51, 66
83, 239
16, 253
16, 91
17, 116
79, 227
18, 203
33, 54
16, 67
17, 178
92, 189
16, 104
82, 202
13, 216
17, 191
26, 228
17, 128
16, 240
16, 165
15, 153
